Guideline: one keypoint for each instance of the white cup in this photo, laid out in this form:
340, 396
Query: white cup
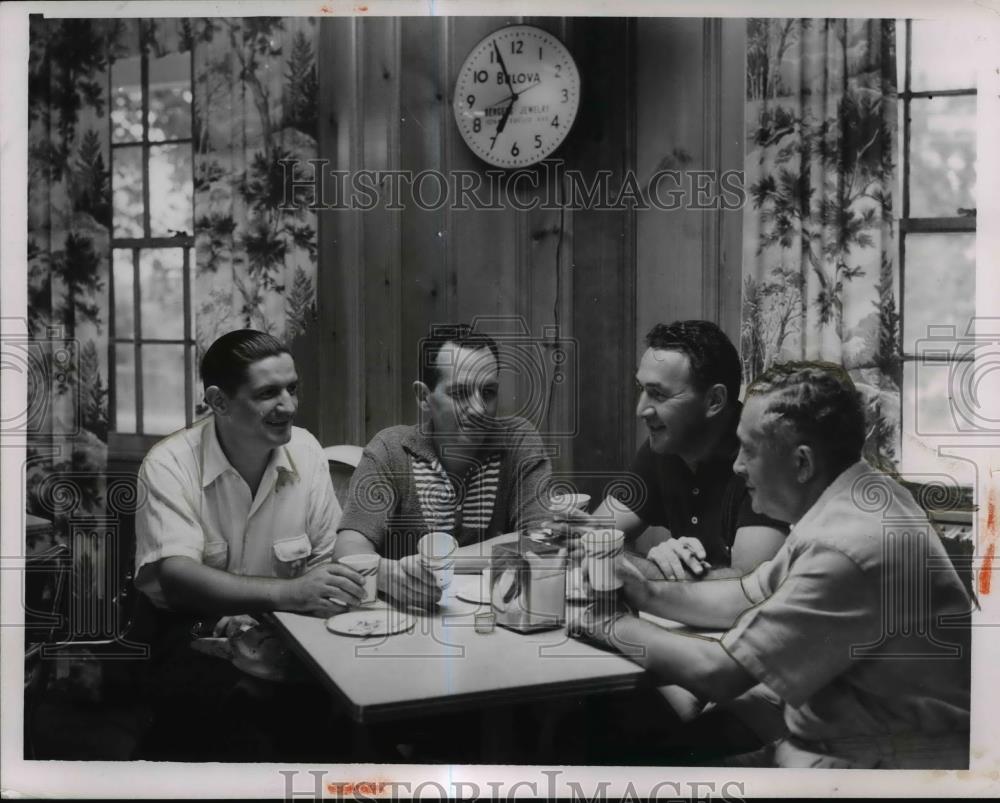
565, 502
367, 566
436, 550
604, 550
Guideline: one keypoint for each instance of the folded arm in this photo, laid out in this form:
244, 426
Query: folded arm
188, 585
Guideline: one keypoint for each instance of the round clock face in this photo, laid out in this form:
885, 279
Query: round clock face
516, 96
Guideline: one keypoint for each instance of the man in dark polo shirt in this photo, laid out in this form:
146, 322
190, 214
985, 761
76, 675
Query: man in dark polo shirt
688, 381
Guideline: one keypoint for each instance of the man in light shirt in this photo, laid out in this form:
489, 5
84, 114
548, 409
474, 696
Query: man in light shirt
240, 516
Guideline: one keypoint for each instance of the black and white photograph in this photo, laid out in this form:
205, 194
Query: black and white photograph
479, 400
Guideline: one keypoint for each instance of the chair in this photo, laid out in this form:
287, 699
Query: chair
343, 459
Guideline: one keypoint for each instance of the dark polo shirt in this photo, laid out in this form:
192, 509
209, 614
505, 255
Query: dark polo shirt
710, 503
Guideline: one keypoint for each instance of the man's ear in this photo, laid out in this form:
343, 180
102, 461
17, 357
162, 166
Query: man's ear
420, 393
716, 399
805, 463
217, 400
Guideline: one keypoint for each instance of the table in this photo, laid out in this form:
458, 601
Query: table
443, 665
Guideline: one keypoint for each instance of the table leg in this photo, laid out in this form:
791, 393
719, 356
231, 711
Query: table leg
362, 744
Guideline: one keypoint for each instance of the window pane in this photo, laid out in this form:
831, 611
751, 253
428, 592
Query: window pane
126, 101
942, 156
929, 414
190, 331
170, 97
940, 284
170, 185
161, 293
126, 187
943, 55
124, 277
162, 389
124, 388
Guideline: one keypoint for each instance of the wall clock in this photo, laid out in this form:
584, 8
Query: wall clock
516, 96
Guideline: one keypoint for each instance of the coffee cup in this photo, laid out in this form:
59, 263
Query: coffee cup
367, 566
436, 552
603, 553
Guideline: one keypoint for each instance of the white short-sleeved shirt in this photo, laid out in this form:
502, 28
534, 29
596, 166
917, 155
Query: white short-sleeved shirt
846, 627
197, 505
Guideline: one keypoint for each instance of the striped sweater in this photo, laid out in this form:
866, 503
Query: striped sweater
400, 490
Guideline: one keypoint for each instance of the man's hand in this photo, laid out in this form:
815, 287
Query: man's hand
596, 623
407, 582
325, 590
229, 626
680, 558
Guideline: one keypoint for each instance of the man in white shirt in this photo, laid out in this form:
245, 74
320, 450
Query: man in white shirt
239, 518
240, 515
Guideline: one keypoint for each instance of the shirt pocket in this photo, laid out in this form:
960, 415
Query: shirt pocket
216, 554
291, 556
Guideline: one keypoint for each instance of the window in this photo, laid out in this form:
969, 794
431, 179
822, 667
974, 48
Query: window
152, 330
937, 235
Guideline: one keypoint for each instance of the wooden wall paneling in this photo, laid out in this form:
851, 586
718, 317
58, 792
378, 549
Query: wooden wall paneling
731, 151
711, 229
341, 375
379, 66
424, 117
544, 296
603, 291
670, 134
482, 244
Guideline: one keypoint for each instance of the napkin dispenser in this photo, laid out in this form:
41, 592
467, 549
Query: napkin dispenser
528, 584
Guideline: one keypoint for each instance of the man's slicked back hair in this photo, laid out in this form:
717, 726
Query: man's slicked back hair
462, 336
227, 359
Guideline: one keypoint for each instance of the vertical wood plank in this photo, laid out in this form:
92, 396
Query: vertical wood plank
379, 66
670, 134
602, 271
731, 143
423, 257
341, 369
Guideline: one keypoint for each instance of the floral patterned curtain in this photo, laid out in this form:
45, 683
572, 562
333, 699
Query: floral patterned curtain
820, 280
254, 105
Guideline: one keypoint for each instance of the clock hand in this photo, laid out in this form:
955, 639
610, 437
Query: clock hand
502, 124
514, 96
503, 68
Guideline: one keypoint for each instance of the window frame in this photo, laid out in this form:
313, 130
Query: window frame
138, 442
923, 225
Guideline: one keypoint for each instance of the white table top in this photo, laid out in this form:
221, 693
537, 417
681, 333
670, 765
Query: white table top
443, 664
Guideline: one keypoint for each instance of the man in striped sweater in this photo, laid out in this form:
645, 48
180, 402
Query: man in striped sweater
460, 469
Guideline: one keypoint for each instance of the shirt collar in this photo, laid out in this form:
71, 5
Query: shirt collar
421, 445
841, 485
216, 463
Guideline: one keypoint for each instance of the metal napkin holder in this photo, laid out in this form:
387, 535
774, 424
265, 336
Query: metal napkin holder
528, 583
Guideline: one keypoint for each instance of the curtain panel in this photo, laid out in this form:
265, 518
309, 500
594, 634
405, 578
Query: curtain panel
820, 279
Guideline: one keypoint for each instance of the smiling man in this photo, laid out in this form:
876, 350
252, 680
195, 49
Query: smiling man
240, 518
460, 469
859, 622
241, 515
688, 382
